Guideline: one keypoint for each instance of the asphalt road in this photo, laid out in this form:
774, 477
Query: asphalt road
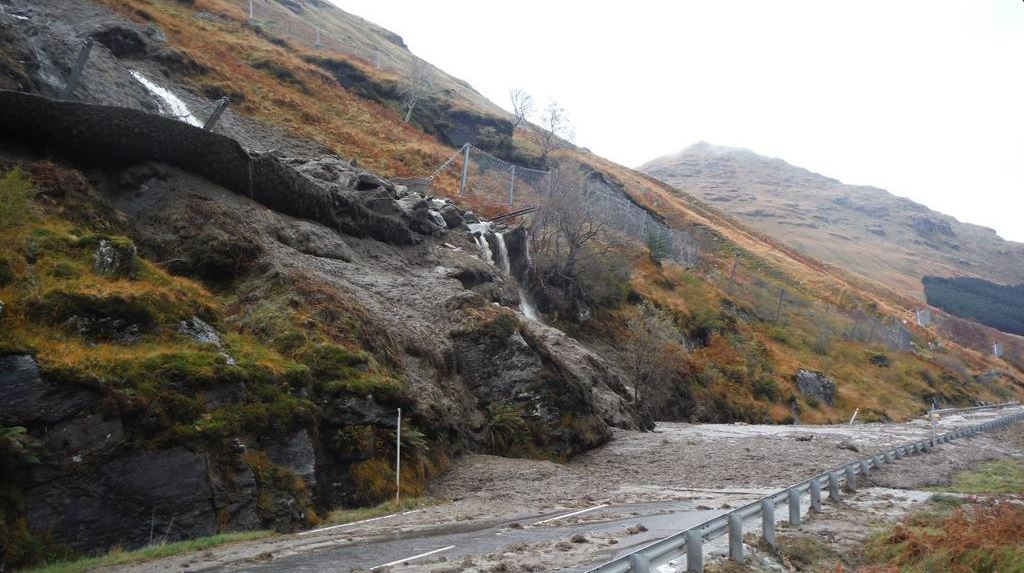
336, 555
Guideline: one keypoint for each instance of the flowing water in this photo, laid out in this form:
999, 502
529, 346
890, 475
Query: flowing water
169, 103
500, 260
503, 264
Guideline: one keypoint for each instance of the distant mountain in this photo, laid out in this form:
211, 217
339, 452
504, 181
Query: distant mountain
866, 230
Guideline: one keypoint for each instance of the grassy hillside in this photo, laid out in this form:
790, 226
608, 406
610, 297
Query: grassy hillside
886, 239
744, 361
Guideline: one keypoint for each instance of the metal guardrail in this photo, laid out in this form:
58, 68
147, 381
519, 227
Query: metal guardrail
975, 408
690, 542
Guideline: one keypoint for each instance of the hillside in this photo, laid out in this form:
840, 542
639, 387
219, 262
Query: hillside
890, 240
248, 307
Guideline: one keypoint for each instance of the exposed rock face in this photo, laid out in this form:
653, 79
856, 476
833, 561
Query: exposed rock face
94, 488
929, 227
114, 259
199, 331
815, 385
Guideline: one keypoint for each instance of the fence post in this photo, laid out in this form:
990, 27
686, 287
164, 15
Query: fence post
931, 418
511, 184
639, 563
768, 521
222, 104
833, 487
694, 551
736, 537
76, 72
794, 507
465, 169
851, 478
815, 496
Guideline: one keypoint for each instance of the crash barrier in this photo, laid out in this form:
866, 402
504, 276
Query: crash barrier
690, 542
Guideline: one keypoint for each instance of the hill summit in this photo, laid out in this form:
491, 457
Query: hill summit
891, 240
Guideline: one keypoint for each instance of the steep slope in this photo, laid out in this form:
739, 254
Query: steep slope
340, 294
888, 239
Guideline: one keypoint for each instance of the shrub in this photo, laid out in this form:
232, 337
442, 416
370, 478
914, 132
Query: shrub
506, 430
15, 194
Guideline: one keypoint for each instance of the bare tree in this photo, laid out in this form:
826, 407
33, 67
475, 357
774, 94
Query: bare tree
418, 84
565, 223
522, 106
650, 332
555, 126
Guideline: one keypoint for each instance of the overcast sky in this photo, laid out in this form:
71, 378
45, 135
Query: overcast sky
924, 98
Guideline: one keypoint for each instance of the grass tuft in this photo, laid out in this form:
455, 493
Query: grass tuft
148, 553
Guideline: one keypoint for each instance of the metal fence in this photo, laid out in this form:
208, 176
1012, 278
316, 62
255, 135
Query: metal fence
489, 180
689, 543
276, 20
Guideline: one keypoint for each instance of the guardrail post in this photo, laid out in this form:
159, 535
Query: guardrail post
851, 478
736, 537
865, 469
833, 487
639, 563
768, 521
879, 460
815, 496
694, 551
794, 507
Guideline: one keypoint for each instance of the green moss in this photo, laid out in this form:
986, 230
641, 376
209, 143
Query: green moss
15, 194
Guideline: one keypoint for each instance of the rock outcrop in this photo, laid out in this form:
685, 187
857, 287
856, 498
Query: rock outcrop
815, 385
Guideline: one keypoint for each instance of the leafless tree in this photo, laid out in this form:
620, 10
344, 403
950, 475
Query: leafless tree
555, 126
418, 84
650, 333
565, 223
522, 106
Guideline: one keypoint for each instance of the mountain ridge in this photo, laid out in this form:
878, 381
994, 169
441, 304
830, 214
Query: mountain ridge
883, 237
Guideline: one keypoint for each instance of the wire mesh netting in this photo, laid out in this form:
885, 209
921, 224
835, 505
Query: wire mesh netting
275, 19
491, 181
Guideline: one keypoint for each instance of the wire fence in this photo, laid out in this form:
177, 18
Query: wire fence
824, 323
275, 19
490, 181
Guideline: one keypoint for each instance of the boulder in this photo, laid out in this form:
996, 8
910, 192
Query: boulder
437, 219
114, 258
199, 331
452, 217
366, 181
815, 385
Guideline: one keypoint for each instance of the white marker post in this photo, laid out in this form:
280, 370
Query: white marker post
398, 459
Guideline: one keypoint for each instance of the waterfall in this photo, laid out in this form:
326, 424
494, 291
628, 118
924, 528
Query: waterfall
170, 103
501, 261
503, 264
526, 307
479, 231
